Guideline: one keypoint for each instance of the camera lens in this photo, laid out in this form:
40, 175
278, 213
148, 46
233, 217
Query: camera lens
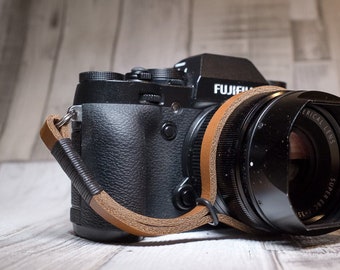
275, 157
313, 164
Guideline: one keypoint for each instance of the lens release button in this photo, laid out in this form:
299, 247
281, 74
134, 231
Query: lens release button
169, 131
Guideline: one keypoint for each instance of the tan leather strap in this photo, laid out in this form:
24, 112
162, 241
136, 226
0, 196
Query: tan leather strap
137, 224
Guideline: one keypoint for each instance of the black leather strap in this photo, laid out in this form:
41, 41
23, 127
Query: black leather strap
74, 167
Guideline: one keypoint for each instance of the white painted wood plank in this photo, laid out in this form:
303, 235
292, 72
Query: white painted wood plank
274, 58
317, 75
227, 250
223, 21
88, 39
157, 34
316, 47
310, 40
153, 34
330, 12
304, 9
32, 82
220, 27
13, 30
31, 193
210, 251
35, 233
257, 30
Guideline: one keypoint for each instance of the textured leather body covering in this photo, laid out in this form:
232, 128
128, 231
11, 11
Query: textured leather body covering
123, 147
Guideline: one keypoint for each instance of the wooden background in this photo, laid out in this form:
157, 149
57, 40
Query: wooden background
44, 44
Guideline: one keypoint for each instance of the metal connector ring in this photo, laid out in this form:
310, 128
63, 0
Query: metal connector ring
66, 118
212, 210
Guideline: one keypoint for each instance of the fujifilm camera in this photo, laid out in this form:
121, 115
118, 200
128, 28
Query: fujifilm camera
141, 135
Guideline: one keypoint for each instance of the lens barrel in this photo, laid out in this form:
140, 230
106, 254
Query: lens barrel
275, 157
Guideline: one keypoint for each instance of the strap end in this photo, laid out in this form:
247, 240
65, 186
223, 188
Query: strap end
50, 134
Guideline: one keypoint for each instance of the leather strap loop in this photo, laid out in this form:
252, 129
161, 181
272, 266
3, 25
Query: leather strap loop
116, 214
134, 223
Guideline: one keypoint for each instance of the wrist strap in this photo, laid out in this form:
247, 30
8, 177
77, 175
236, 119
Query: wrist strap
60, 145
58, 141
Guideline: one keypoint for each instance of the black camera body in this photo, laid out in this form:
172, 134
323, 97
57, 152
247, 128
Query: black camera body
141, 133
136, 129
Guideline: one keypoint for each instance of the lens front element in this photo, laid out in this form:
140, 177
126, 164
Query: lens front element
313, 164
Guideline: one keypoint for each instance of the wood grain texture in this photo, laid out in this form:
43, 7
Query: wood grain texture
35, 233
86, 42
45, 44
310, 40
13, 28
88, 36
30, 93
258, 30
43, 47
316, 64
152, 34
329, 11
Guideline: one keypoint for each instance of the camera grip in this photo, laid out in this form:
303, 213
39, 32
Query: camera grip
113, 147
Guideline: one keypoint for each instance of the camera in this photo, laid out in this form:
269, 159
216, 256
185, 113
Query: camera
146, 136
